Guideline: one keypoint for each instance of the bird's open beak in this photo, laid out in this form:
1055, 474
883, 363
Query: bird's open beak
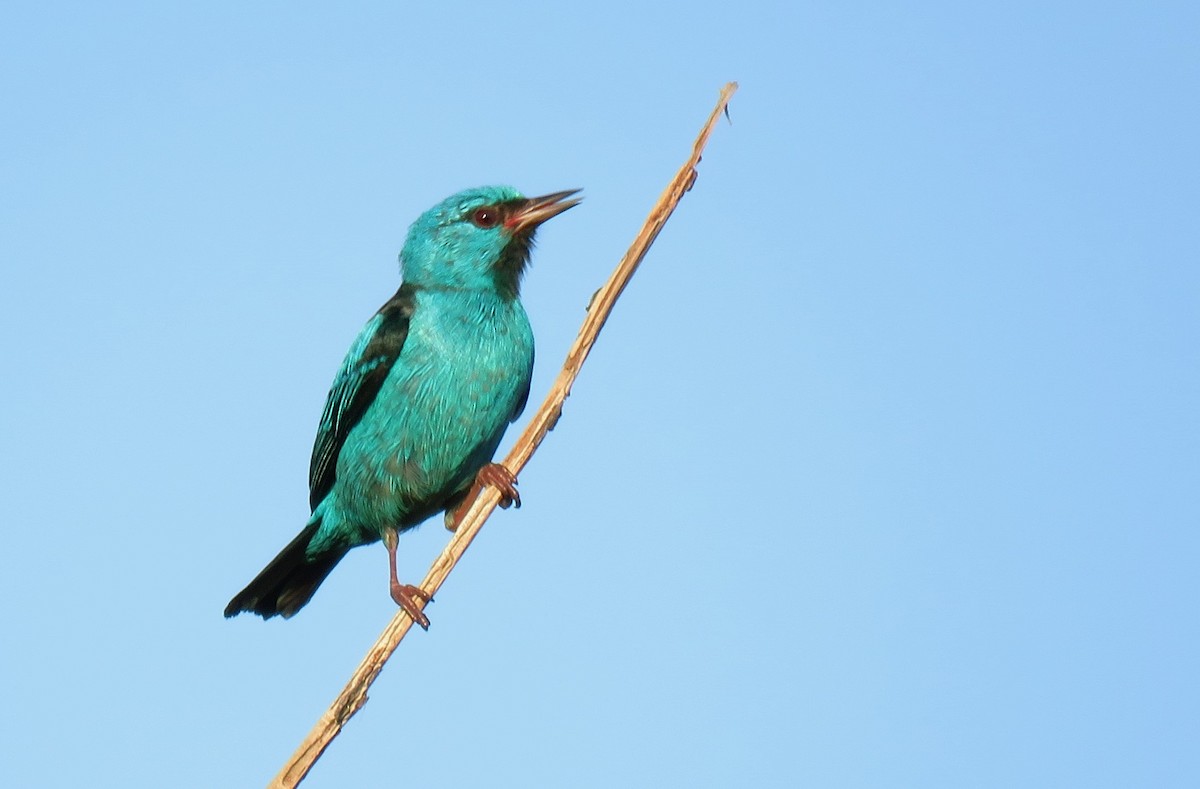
532, 211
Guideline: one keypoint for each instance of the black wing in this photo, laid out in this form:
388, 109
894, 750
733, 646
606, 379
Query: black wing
366, 366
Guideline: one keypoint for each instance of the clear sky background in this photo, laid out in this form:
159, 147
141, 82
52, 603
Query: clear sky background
884, 472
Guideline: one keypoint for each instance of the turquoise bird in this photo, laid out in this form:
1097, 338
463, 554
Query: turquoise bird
422, 399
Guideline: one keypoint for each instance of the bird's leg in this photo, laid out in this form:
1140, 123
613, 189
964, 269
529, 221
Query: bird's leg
405, 595
498, 477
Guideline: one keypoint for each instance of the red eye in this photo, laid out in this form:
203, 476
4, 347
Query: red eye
485, 217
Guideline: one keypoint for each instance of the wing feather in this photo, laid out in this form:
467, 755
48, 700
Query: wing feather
362, 373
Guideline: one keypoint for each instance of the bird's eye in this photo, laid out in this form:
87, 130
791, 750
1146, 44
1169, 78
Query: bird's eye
485, 217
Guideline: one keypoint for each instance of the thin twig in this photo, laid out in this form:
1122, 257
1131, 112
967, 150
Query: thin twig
354, 695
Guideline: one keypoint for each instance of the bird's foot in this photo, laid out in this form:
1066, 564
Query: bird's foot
406, 596
503, 480
498, 477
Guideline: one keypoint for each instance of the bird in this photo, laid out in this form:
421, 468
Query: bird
422, 399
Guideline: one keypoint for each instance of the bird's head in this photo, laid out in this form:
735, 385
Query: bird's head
479, 239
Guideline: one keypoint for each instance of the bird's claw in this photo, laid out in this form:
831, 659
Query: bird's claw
502, 480
499, 478
406, 596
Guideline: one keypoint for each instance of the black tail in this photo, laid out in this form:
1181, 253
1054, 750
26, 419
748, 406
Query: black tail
288, 582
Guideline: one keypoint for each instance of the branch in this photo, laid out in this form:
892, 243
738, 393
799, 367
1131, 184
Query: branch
354, 695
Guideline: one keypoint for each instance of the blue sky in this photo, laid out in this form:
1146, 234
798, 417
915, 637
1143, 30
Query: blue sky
883, 473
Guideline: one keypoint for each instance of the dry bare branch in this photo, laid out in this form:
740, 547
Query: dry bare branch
354, 695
